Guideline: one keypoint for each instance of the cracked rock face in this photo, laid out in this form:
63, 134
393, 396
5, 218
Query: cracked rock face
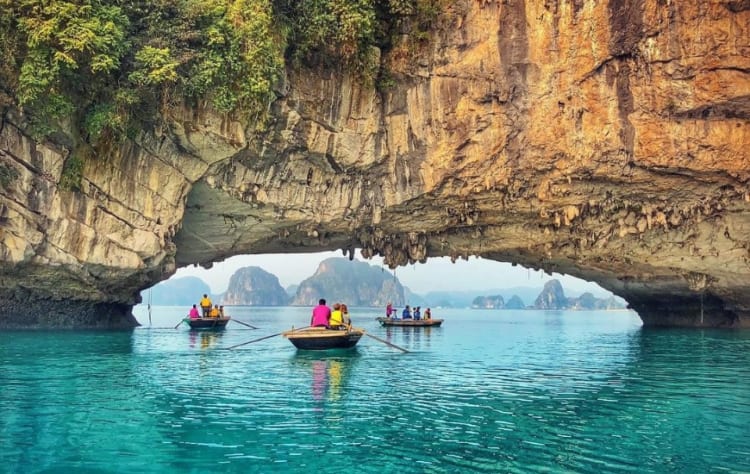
607, 141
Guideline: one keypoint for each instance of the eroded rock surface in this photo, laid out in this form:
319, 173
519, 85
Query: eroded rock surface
605, 140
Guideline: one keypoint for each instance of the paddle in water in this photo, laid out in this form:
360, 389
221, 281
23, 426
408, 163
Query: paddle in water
386, 342
178, 324
244, 324
262, 338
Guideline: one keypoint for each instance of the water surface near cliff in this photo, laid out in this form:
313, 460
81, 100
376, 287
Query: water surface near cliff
490, 391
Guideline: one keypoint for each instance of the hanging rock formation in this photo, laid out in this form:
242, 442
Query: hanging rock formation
607, 140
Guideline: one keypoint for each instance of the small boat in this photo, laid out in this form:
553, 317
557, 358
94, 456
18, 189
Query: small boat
317, 339
410, 322
208, 323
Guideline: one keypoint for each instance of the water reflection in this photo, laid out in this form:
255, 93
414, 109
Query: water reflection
327, 376
205, 339
319, 380
413, 337
329, 373
335, 375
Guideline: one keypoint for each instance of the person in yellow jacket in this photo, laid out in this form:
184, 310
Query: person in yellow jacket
337, 317
205, 305
214, 312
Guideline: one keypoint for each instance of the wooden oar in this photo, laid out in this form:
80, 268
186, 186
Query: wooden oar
244, 324
254, 340
178, 324
262, 338
386, 342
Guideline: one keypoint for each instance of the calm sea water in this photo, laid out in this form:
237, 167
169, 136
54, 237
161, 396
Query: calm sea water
490, 391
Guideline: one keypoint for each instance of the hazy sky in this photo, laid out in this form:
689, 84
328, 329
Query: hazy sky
435, 275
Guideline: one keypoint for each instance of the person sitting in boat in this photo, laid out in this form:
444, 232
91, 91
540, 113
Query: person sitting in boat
427, 314
194, 314
345, 315
321, 314
406, 313
388, 310
417, 313
205, 305
221, 311
336, 320
214, 313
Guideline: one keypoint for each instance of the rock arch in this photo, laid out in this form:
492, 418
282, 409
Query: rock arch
609, 143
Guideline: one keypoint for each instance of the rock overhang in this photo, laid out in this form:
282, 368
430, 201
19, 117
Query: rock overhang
607, 155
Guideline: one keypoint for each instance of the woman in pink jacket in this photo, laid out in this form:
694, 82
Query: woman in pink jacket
320, 314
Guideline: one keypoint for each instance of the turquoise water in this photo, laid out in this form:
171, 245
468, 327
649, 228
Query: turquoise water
490, 391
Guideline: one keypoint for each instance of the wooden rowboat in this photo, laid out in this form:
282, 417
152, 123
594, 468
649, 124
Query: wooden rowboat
410, 322
208, 323
317, 339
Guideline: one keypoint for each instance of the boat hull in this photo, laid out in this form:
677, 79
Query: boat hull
410, 322
323, 339
215, 324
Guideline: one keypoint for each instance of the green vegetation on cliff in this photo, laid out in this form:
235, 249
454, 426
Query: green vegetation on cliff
110, 65
100, 61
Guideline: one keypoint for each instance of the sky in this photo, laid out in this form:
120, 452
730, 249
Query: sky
438, 274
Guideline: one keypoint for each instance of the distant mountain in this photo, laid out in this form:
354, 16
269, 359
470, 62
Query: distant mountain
524, 293
352, 282
464, 299
254, 286
551, 297
488, 302
585, 301
515, 303
529, 293
412, 299
449, 299
589, 301
185, 291
613, 302
361, 284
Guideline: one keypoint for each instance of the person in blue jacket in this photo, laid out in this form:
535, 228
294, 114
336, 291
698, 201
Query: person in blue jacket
407, 313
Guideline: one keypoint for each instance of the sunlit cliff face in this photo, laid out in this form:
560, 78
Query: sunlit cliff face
604, 140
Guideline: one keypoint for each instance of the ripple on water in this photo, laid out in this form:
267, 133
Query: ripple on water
488, 392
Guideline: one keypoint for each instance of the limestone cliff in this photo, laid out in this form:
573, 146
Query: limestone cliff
551, 297
515, 302
353, 283
488, 302
253, 286
607, 140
